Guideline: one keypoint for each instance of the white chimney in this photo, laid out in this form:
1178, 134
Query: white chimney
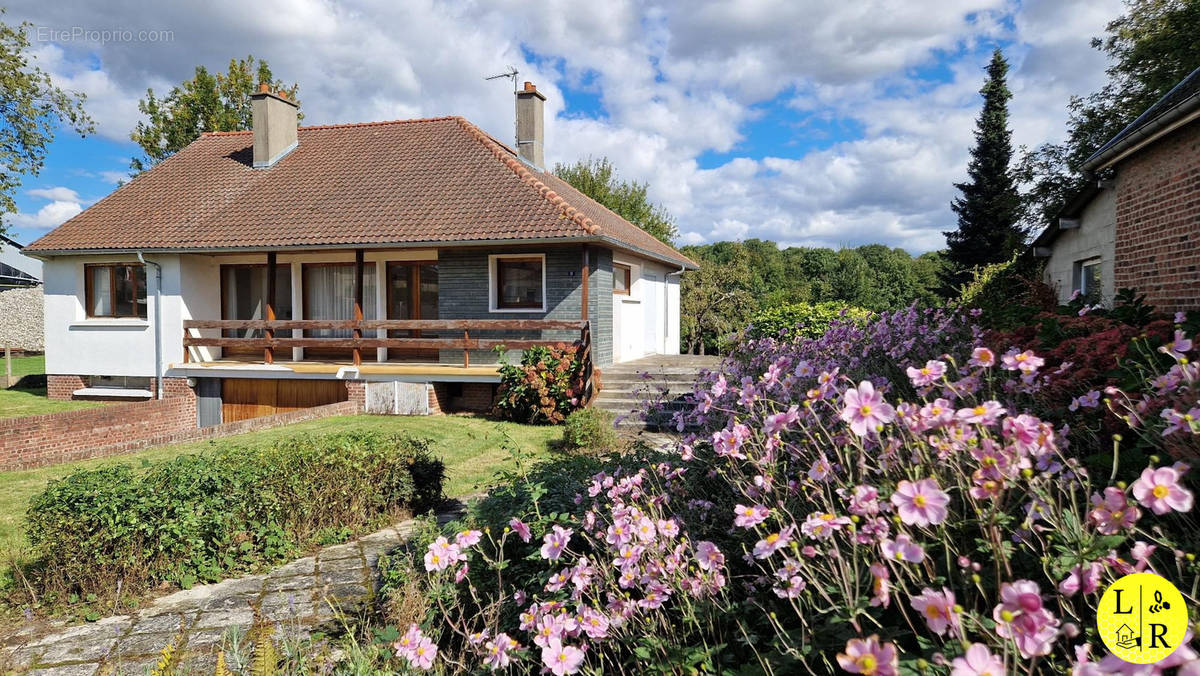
274, 121
530, 125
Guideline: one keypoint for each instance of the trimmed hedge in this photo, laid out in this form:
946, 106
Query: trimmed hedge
200, 518
802, 320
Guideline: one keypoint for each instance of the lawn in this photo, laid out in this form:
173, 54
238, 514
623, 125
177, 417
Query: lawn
472, 448
32, 401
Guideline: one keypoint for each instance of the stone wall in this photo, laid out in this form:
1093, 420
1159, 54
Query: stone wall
1158, 221
21, 319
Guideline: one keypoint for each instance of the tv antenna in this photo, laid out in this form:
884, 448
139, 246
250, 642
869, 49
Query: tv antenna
511, 74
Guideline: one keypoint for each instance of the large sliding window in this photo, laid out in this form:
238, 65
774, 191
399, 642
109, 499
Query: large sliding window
412, 291
245, 291
329, 294
117, 290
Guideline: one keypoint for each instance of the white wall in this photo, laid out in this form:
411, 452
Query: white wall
78, 345
635, 332
1096, 237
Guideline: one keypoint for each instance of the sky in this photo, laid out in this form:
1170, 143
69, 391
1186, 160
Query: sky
806, 122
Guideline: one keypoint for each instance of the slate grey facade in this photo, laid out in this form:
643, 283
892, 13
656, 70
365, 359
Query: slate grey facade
464, 286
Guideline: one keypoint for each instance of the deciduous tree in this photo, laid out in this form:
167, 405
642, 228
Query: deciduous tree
597, 178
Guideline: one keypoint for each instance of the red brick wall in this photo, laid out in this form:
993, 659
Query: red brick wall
439, 398
478, 397
356, 390
38, 441
59, 388
1158, 221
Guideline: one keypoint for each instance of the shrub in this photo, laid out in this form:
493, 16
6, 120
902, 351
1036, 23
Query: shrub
198, 518
1008, 294
589, 430
544, 388
802, 320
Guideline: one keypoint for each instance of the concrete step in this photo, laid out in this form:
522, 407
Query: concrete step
690, 374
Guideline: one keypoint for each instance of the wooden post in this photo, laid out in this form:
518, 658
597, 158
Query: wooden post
466, 352
8, 380
269, 334
358, 303
585, 276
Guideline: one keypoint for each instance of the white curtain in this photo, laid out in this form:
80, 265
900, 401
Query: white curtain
329, 294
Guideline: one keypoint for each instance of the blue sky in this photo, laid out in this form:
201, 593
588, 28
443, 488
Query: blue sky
809, 123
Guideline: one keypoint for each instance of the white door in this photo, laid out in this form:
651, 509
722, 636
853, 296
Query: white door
652, 302
630, 338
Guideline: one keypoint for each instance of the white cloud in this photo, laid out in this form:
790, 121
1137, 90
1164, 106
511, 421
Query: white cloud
64, 205
677, 80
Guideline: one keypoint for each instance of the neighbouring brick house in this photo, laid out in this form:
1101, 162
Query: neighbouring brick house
1137, 222
284, 267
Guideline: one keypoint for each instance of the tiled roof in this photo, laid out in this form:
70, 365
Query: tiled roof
1181, 100
432, 181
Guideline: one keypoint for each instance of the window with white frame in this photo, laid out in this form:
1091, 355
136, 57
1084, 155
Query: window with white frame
518, 283
1088, 280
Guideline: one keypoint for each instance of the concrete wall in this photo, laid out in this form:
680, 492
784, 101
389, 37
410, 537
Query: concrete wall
1094, 238
1158, 221
21, 317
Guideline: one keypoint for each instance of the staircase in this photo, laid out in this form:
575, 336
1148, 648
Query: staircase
625, 386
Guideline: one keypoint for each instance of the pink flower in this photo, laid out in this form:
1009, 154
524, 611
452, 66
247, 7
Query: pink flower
1112, 513
1082, 578
728, 442
869, 656
441, 555
921, 503
864, 501
938, 610
561, 659
708, 557
1178, 346
985, 413
977, 661
1026, 362
773, 543
555, 542
880, 585
467, 538
982, 357
902, 549
749, 517
520, 529
1159, 491
497, 651
1022, 618
822, 525
927, 374
415, 647
865, 409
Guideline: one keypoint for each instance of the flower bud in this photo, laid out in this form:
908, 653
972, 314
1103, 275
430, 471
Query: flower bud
1118, 438
1121, 485
1190, 556
1154, 459
1027, 473
1070, 630
1006, 615
975, 578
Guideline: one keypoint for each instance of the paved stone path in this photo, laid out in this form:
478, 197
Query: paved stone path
297, 598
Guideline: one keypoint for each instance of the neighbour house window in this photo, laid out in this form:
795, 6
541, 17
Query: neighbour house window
519, 282
1088, 281
117, 290
244, 295
622, 278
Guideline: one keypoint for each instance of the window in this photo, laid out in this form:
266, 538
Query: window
115, 290
1088, 280
519, 283
329, 294
622, 278
244, 295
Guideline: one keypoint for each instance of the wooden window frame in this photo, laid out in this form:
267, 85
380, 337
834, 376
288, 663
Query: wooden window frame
140, 310
627, 271
496, 282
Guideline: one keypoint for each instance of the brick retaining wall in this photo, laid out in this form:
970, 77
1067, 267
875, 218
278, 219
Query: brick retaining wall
39, 441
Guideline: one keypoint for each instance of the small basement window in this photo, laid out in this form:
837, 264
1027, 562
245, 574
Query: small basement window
117, 290
622, 279
518, 283
133, 387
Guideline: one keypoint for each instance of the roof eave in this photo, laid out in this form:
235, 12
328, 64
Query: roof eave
1144, 133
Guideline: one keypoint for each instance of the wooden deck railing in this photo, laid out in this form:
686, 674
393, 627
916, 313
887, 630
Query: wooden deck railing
358, 341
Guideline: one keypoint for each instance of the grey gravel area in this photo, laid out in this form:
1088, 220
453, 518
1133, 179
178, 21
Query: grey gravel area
298, 597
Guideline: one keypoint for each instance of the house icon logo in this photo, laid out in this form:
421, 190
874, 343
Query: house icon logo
1142, 618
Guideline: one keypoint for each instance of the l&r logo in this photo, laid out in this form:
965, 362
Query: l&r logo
1142, 618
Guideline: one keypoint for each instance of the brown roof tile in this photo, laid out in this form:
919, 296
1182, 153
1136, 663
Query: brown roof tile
439, 180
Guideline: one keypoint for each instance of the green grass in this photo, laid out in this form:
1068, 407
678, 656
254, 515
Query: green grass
472, 448
32, 401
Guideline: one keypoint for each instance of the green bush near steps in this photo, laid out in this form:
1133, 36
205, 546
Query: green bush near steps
589, 430
802, 320
201, 518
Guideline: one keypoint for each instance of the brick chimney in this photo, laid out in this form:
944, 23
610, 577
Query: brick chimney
530, 125
274, 121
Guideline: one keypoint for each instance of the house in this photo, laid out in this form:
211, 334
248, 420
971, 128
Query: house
16, 269
1136, 224
284, 267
